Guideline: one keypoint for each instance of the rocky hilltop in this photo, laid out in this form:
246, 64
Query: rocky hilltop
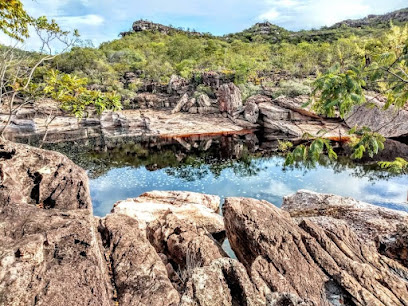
400, 16
270, 32
165, 248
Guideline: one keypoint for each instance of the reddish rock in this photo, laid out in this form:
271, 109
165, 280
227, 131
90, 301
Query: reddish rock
39, 177
320, 265
229, 99
138, 273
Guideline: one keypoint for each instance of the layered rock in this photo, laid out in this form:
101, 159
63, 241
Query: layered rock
321, 265
230, 99
139, 275
368, 221
391, 122
285, 116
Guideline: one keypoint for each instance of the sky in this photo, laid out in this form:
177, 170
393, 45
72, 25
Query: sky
103, 20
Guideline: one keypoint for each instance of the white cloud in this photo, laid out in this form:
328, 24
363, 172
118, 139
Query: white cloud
271, 15
88, 20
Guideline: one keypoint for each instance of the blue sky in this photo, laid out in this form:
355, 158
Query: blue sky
102, 20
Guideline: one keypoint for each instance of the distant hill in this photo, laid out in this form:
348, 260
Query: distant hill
268, 32
400, 16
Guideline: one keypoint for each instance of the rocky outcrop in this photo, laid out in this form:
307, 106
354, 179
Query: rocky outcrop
192, 207
224, 282
230, 99
42, 178
180, 104
251, 112
321, 265
392, 122
177, 85
284, 117
367, 221
50, 252
139, 275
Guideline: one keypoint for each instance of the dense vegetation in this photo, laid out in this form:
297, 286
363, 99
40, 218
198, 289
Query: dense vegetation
340, 62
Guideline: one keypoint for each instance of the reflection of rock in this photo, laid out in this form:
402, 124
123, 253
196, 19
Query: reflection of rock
390, 123
139, 274
323, 265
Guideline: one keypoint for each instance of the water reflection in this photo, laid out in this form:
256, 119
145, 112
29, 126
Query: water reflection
121, 168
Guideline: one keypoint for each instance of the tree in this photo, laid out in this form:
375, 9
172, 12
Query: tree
341, 89
18, 68
14, 20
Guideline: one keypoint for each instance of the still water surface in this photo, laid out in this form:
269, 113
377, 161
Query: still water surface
224, 166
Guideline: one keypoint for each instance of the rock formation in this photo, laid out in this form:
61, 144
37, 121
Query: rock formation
163, 248
323, 266
230, 99
392, 122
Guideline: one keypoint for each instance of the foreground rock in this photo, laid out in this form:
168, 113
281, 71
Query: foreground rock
385, 228
320, 265
44, 178
137, 270
197, 208
48, 256
367, 221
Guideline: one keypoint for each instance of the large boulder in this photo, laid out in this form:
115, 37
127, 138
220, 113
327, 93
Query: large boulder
224, 282
230, 99
43, 178
251, 112
203, 101
50, 252
392, 122
323, 266
368, 221
140, 276
51, 257
201, 209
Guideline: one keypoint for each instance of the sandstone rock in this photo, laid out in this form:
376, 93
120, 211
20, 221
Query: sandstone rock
189, 104
38, 177
224, 282
196, 208
139, 274
176, 84
183, 242
51, 257
394, 245
203, 101
251, 112
257, 99
390, 123
368, 221
322, 266
229, 98
180, 104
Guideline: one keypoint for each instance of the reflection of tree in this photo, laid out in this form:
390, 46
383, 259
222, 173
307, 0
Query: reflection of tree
198, 161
